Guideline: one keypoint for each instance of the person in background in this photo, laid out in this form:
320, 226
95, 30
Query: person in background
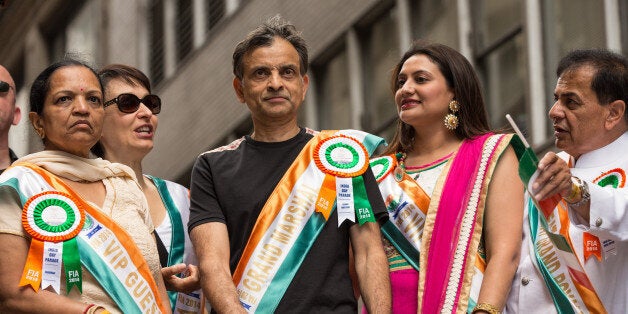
573, 257
451, 189
76, 232
129, 128
262, 219
10, 114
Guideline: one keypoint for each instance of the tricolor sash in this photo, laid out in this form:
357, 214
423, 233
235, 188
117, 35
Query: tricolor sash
407, 205
564, 275
454, 263
288, 225
175, 196
105, 249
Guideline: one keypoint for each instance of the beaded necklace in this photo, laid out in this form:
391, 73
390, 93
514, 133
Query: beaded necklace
401, 169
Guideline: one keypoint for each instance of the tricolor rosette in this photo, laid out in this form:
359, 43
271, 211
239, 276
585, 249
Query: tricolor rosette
343, 159
341, 156
52, 216
53, 219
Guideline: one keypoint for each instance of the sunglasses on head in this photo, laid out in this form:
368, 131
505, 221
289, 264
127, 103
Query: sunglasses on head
4, 87
129, 103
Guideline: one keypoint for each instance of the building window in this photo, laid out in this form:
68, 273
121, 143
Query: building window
380, 54
216, 10
184, 29
157, 45
499, 59
623, 28
565, 28
332, 92
435, 20
80, 36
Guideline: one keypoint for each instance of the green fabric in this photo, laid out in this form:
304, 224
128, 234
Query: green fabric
561, 301
72, 265
288, 269
177, 243
403, 246
110, 283
363, 210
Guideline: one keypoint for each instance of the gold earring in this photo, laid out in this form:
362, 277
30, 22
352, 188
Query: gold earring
451, 120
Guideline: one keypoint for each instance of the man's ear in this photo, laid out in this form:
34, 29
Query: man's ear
237, 86
17, 115
615, 114
37, 124
306, 84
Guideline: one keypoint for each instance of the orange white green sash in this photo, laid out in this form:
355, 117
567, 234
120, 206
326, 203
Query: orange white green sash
288, 224
407, 206
452, 262
175, 197
105, 249
564, 276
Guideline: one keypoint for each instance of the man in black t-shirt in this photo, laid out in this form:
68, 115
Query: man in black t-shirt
232, 187
9, 115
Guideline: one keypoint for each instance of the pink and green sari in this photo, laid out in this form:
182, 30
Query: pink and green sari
447, 225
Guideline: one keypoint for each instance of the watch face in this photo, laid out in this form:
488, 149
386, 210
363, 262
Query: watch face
585, 189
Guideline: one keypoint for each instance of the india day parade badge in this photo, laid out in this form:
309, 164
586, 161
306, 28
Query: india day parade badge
53, 220
343, 159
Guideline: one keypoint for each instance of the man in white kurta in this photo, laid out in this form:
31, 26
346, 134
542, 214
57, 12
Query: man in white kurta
590, 124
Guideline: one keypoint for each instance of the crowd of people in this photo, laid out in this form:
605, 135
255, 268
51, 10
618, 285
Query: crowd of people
293, 220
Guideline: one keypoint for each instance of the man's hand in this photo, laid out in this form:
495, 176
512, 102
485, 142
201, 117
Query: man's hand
554, 178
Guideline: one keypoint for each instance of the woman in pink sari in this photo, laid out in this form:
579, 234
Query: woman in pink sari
452, 191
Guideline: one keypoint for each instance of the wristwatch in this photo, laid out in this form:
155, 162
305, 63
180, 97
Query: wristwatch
579, 187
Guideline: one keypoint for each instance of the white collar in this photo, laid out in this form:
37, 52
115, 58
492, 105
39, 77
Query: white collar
605, 155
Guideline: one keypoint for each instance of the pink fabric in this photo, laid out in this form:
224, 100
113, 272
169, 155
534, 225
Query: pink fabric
455, 196
404, 284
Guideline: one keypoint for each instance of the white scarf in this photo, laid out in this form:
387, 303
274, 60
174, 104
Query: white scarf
76, 168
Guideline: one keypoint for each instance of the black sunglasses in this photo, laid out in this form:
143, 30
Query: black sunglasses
129, 103
4, 87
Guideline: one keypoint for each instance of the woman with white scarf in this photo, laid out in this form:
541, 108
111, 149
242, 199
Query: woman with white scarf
76, 232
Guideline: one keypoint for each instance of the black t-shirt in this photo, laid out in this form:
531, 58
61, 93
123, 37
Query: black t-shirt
231, 185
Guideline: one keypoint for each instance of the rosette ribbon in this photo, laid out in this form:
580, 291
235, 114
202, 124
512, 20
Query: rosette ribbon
343, 160
53, 220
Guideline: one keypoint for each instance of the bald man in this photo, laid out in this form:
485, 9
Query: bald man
10, 114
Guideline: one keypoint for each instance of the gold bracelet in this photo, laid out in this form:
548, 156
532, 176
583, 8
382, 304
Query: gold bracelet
489, 308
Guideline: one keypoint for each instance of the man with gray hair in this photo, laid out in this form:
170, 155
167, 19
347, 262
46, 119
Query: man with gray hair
574, 257
10, 114
274, 214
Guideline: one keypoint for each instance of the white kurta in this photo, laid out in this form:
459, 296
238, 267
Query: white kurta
608, 221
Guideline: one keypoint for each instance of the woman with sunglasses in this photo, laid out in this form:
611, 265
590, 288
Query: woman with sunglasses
128, 134
76, 233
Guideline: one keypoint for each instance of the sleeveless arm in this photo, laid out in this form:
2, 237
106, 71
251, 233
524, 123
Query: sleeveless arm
503, 220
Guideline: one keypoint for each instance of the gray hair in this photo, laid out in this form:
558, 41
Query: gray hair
263, 36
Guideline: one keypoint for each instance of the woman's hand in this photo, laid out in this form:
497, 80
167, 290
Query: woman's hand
189, 283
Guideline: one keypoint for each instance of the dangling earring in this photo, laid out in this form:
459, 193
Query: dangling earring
451, 120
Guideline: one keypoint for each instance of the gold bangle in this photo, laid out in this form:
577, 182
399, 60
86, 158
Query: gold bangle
489, 308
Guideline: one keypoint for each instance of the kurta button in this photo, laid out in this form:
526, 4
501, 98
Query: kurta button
598, 222
525, 281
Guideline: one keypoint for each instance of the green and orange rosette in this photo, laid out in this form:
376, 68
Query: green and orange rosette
343, 158
53, 217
